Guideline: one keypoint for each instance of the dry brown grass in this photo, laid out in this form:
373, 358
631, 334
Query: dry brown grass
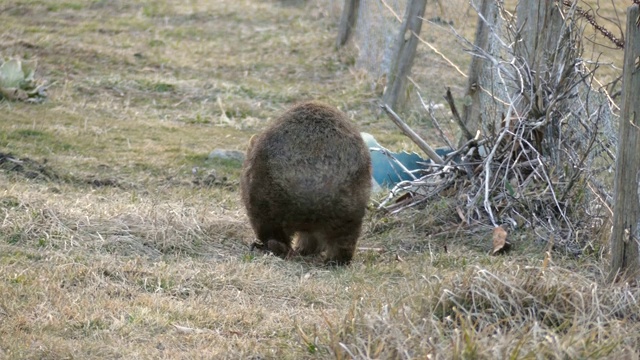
112, 247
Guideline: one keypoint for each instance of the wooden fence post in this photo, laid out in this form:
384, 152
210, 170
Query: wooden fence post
404, 52
347, 21
626, 210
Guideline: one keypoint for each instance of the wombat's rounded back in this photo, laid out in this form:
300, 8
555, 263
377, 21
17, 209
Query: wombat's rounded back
308, 167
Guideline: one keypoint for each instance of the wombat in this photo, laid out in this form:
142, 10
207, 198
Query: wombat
308, 173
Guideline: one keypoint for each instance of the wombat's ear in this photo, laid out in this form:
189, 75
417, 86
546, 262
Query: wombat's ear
252, 140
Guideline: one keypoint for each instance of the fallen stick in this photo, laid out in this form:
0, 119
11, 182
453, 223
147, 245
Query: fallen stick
376, 249
412, 135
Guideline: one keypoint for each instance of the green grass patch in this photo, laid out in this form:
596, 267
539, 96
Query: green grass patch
42, 142
65, 5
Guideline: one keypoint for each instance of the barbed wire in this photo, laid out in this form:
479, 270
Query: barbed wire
619, 43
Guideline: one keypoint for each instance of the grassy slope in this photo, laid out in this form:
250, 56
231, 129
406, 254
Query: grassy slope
111, 246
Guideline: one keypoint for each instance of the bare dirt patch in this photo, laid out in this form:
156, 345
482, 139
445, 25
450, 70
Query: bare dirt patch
26, 167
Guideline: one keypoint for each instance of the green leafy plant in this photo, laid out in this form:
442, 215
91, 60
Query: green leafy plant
18, 83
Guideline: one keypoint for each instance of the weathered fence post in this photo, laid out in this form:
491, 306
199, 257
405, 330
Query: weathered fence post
626, 209
347, 21
404, 52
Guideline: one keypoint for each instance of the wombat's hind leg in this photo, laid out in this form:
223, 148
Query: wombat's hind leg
341, 247
257, 245
279, 248
273, 239
307, 244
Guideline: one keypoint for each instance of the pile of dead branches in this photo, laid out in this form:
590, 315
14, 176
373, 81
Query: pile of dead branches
545, 164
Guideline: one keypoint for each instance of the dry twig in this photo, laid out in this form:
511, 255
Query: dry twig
412, 135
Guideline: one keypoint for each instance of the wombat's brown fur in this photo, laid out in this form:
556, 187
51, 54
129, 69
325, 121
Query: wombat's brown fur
308, 173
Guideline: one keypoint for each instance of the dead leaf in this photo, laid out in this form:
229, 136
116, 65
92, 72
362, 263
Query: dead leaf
547, 259
398, 258
499, 240
461, 214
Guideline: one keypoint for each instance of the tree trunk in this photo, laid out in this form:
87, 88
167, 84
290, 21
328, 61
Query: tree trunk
347, 21
626, 210
545, 46
404, 53
480, 107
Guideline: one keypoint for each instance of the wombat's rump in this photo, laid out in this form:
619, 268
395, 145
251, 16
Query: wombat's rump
308, 173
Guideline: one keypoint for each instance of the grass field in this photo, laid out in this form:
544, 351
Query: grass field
119, 238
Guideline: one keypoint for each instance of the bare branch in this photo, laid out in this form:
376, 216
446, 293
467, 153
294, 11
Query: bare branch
456, 116
412, 135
